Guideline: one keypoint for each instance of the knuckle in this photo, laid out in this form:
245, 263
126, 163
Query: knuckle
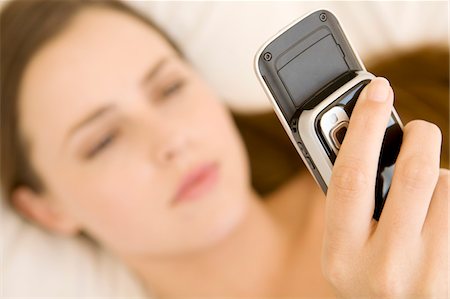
335, 263
349, 179
416, 172
334, 271
415, 124
443, 185
423, 127
386, 283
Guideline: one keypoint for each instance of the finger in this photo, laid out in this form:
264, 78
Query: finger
350, 196
415, 176
436, 235
437, 217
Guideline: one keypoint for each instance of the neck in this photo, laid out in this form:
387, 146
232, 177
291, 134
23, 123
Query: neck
246, 263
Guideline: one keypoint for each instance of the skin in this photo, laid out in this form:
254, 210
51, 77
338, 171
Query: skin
151, 139
405, 253
151, 133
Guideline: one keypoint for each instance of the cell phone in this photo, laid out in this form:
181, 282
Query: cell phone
313, 77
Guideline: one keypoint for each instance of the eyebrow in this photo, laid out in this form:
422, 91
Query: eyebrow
154, 70
91, 117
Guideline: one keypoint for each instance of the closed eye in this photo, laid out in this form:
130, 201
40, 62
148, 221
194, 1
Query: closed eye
104, 143
173, 88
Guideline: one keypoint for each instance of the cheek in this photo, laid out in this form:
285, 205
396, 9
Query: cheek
221, 137
213, 117
224, 136
117, 203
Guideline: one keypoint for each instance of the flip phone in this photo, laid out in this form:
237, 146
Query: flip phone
313, 77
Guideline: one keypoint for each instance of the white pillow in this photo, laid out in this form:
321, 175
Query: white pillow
221, 39
35, 263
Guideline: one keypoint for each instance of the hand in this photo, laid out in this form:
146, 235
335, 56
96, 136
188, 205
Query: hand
405, 253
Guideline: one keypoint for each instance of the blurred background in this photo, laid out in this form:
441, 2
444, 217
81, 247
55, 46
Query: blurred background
221, 37
405, 41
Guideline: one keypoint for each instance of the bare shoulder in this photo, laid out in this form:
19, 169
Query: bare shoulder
297, 204
299, 207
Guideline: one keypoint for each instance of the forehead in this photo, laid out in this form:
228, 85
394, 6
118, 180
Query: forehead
99, 57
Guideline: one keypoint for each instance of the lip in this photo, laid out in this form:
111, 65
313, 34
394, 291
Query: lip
197, 182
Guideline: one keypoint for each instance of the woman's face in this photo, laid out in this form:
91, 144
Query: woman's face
115, 121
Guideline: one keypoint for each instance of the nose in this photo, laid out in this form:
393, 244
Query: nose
168, 139
171, 148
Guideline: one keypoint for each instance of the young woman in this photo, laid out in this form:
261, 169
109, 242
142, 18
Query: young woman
107, 130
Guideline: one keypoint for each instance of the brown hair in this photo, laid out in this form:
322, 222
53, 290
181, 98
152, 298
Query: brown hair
25, 27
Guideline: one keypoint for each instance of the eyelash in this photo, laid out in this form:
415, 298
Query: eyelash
105, 142
173, 88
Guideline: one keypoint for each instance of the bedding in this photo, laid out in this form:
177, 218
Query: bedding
35, 263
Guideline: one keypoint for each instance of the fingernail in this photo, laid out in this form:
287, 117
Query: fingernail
377, 90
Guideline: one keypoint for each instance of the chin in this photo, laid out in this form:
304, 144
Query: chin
216, 228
